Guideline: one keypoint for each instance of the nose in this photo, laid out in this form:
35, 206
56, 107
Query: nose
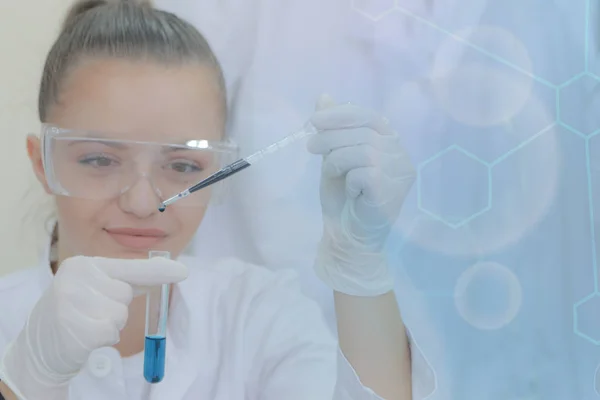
141, 199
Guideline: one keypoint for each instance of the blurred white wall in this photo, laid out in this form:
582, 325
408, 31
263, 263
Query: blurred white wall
27, 29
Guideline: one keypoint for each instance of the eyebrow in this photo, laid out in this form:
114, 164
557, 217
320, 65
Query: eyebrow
101, 141
176, 145
172, 147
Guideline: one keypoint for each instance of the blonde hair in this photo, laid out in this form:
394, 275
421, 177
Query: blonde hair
122, 29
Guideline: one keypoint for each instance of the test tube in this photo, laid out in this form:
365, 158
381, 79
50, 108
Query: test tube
157, 308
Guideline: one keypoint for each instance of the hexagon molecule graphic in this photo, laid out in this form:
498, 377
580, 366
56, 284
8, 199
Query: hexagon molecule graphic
576, 111
444, 187
373, 9
586, 322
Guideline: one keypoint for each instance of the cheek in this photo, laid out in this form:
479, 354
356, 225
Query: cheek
76, 216
188, 219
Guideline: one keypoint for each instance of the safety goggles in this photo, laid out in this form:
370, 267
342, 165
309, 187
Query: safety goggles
97, 166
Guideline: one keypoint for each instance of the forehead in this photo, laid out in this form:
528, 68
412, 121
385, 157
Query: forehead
142, 101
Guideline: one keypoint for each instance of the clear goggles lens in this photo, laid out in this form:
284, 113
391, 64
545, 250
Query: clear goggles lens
92, 166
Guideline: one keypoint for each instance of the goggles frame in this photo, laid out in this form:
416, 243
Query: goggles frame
227, 149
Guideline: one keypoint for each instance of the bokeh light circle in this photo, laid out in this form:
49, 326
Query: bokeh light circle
524, 186
474, 89
488, 296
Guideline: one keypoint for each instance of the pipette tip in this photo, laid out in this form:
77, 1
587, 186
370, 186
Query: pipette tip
162, 207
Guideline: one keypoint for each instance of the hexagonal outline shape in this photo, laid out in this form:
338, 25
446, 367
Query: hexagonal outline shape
468, 219
565, 85
373, 18
576, 319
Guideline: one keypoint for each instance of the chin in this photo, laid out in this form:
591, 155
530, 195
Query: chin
120, 246
125, 252
114, 252
131, 253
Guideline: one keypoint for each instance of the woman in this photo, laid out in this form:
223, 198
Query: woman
133, 108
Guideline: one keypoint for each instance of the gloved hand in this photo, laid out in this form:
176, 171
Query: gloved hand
365, 178
84, 309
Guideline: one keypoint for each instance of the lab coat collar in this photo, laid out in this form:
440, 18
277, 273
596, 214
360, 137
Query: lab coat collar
181, 369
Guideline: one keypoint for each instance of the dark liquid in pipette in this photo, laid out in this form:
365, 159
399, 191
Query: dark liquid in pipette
154, 358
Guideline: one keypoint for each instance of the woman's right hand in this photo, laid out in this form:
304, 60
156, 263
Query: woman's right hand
85, 308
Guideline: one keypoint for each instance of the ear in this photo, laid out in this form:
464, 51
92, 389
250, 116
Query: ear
34, 151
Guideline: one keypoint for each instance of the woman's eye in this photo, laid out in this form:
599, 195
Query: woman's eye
98, 161
184, 167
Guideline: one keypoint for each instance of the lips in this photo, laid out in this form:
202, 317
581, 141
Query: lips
136, 238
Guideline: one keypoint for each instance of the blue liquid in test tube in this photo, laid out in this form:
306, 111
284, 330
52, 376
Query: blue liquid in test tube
154, 358
157, 307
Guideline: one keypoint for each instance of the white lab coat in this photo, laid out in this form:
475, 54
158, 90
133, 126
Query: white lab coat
541, 234
236, 331
278, 57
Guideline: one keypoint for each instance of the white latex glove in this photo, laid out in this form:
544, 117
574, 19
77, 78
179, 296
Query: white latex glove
365, 178
84, 309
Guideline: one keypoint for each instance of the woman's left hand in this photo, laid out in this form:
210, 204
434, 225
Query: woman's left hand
366, 175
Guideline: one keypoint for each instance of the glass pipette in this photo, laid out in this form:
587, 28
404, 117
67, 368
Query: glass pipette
157, 308
243, 163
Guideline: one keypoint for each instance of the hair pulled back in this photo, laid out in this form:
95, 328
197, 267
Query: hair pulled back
128, 29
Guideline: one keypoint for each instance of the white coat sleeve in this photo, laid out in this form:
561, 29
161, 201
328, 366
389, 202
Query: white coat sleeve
298, 358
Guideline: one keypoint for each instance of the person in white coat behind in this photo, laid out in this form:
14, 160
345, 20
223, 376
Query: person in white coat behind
126, 92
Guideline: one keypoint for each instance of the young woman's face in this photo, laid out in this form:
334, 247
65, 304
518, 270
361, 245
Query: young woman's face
139, 102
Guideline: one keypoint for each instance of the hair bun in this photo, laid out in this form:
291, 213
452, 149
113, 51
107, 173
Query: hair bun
80, 7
